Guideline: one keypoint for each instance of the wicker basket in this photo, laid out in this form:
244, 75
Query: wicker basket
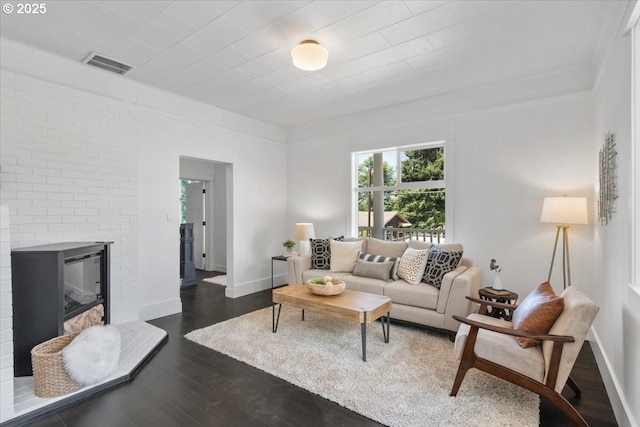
49, 375
334, 289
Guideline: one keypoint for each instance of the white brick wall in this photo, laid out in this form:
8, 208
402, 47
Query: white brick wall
68, 170
6, 316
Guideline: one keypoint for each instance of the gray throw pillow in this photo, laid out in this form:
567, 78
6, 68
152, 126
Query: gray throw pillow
393, 274
373, 269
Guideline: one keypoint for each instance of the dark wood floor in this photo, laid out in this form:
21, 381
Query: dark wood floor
188, 385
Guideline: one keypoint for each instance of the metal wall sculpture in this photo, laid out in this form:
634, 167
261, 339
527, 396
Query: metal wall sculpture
608, 185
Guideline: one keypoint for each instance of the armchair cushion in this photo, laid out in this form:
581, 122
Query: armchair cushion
537, 313
501, 349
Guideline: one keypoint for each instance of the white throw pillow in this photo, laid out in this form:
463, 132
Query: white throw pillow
344, 256
412, 265
93, 355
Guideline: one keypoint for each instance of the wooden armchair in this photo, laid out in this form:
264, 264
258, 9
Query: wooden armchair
490, 345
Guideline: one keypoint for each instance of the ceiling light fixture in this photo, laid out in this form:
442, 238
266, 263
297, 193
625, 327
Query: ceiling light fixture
309, 55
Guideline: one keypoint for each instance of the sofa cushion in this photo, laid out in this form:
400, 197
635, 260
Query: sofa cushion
440, 262
364, 284
393, 274
344, 255
386, 248
417, 244
412, 265
373, 270
321, 252
420, 295
537, 313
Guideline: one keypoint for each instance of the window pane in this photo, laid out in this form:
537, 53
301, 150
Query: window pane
423, 165
422, 208
366, 169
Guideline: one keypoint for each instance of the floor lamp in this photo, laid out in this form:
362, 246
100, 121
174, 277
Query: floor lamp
563, 211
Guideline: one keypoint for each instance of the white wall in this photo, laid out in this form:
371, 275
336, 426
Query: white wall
505, 161
87, 155
617, 325
221, 203
69, 173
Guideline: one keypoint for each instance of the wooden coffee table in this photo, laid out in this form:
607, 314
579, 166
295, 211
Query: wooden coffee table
355, 306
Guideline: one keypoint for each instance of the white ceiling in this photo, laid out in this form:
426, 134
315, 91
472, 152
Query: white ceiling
236, 54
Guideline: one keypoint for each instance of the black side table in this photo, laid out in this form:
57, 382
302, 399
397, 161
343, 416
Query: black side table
499, 313
276, 258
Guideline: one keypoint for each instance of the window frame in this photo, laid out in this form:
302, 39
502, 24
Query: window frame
446, 183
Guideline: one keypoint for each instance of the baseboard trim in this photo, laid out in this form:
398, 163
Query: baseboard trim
160, 309
242, 289
619, 403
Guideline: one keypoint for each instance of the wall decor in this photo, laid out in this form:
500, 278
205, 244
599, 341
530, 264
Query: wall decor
608, 179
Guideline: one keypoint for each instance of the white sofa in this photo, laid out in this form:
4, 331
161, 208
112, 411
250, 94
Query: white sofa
422, 304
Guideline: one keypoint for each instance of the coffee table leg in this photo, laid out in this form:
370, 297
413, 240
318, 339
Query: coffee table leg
385, 331
274, 320
363, 329
302, 315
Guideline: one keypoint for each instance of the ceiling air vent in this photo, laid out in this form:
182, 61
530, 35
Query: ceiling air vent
107, 64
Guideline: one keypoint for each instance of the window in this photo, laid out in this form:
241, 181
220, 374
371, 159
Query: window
400, 193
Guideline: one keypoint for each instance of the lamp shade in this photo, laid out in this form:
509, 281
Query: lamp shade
305, 231
309, 55
564, 210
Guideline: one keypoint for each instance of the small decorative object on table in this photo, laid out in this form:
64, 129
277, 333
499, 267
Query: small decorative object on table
497, 283
288, 247
325, 286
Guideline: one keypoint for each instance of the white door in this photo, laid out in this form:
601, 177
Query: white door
195, 215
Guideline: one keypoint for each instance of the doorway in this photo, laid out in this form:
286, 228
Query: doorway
205, 202
194, 209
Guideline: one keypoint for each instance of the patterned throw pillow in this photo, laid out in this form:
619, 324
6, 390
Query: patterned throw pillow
321, 252
440, 262
412, 264
393, 274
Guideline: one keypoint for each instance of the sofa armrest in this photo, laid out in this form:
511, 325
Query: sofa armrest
295, 266
464, 285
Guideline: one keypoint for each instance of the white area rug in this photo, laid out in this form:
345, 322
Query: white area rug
218, 280
403, 383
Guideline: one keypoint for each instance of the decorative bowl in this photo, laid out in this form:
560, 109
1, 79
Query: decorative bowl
317, 289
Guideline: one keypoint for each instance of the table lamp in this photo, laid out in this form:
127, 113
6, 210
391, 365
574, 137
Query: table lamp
304, 232
563, 211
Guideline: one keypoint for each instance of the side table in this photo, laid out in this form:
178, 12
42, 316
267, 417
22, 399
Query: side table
498, 313
276, 258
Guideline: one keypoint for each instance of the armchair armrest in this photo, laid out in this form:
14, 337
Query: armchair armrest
514, 332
